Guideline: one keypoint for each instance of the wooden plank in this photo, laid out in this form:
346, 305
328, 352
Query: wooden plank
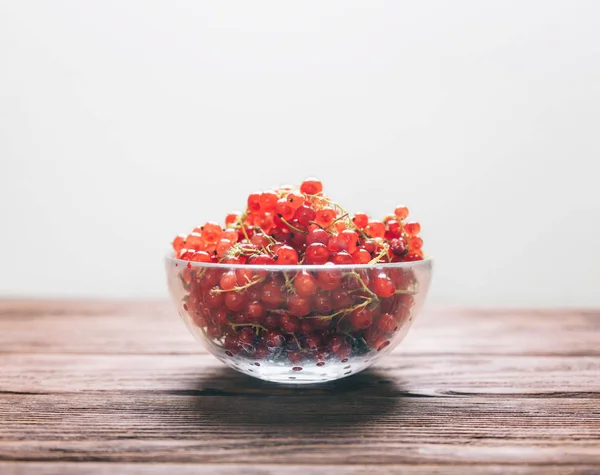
69, 468
335, 429
397, 375
154, 327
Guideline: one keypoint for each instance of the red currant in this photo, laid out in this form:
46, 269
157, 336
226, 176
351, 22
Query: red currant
316, 253
305, 215
299, 306
179, 242
401, 212
267, 200
412, 228
375, 229
286, 255
305, 284
383, 286
325, 217
311, 186
361, 318
360, 220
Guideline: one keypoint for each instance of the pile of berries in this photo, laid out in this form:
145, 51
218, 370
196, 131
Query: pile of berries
288, 227
306, 316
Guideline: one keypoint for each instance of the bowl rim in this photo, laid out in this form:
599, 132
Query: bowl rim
308, 267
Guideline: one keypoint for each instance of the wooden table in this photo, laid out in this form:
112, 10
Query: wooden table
114, 387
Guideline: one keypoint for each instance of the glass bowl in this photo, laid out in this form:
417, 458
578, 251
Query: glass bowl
298, 324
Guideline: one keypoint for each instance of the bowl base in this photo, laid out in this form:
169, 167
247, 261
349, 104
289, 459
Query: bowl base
302, 373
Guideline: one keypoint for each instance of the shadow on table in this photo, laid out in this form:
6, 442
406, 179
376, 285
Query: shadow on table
233, 399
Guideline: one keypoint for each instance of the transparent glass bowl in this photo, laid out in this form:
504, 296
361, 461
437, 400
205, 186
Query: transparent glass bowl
298, 324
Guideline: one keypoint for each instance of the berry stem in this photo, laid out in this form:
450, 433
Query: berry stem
384, 251
364, 286
405, 292
289, 283
256, 326
344, 310
238, 288
291, 226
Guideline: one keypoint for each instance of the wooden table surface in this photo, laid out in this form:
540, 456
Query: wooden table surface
117, 387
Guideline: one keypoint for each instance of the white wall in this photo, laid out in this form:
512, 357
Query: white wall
123, 123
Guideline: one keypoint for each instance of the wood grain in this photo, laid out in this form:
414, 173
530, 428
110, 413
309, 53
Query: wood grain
69, 468
155, 328
121, 387
486, 376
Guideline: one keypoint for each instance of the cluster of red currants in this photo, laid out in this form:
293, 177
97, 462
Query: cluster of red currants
304, 316
288, 227
299, 318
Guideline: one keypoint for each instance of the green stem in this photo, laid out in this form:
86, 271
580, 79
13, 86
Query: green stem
238, 288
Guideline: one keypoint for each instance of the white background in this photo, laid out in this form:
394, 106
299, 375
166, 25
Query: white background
123, 123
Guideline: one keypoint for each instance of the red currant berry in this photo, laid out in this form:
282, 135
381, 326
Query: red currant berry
179, 242
369, 245
255, 312
317, 235
394, 228
341, 258
264, 221
311, 186
259, 240
412, 228
401, 212
415, 243
286, 256
267, 200
299, 306
305, 284
360, 220
383, 286
230, 234
211, 232
195, 242
351, 238
305, 215
271, 295
375, 229
254, 202
340, 298
295, 199
361, 256
322, 304
201, 256
219, 316
325, 217
214, 299
231, 219
271, 321
234, 301
260, 260
284, 210
223, 246
289, 324
414, 256
336, 244
361, 318
398, 247
387, 323
329, 279
316, 253
243, 276
228, 280
186, 254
